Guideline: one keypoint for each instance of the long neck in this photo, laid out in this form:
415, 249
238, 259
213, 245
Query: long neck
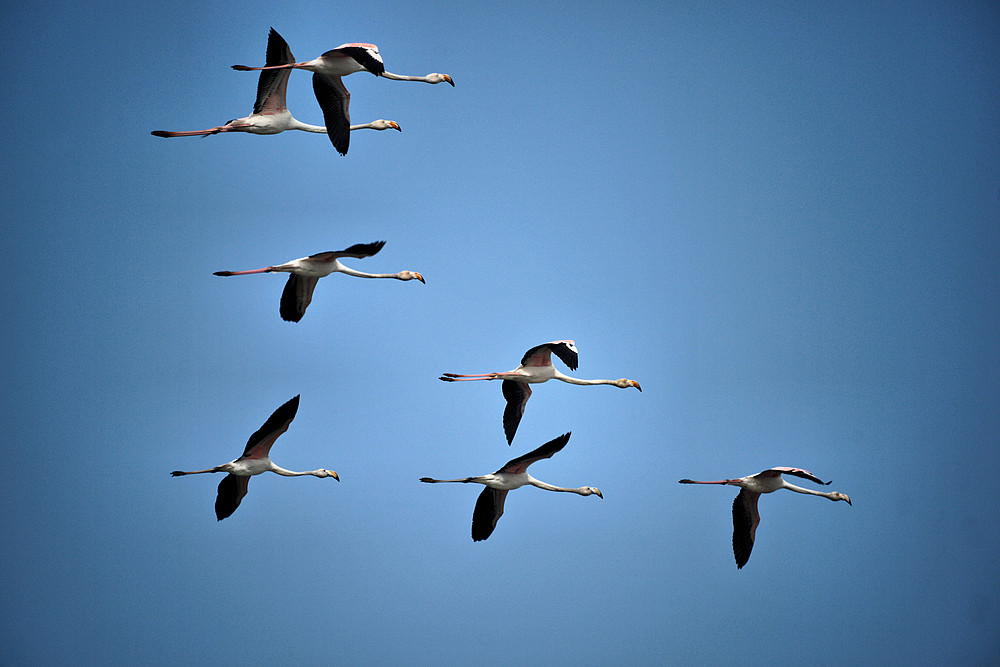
548, 487
306, 127
362, 274
404, 77
292, 473
573, 380
811, 492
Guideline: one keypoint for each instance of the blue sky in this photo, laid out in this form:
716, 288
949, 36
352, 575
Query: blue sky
782, 220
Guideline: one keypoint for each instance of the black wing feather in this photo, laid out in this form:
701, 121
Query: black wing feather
521, 463
489, 509
232, 488
335, 100
296, 297
362, 56
360, 250
743, 529
278, 421
567, 354
517, 395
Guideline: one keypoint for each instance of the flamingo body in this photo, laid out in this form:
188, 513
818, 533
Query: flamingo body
536, 367
513, 475
306, 272
256, 459
746, 517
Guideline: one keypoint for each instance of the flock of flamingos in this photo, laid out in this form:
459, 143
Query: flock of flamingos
271, 116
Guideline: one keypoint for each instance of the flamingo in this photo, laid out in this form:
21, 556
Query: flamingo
255, 460
333, 97
536, 366
306, 272
270, 115
745, 515
513, 475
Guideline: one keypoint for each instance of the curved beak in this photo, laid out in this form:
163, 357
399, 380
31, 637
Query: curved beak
335, 475
394, 125
419, 277
635, 384
597, 492
449, 80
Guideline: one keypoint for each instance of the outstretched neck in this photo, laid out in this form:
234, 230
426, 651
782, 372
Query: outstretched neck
548, 487
573, 380
361, 274
832, 495
292, 473
306, 127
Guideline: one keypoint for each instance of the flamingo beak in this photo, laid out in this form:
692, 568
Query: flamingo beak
394, 125
448, 79
597, 492
847, 498
335, 475
635, 384
419, 277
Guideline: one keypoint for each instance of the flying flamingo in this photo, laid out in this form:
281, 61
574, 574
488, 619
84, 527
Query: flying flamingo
306, 272
745, 515
513, 475
254, 461
270, 115
536, 366
333, 97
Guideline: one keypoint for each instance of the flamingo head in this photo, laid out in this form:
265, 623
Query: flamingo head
592, 491
625, 383
382, 124
411, 275
841, 496
434, 77
323, 472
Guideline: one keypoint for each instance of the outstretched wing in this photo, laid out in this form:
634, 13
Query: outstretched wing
232, 488
296, 296
357, 251
798, 472
517, 395
540, 355
273, 83
259, 444
489, 509
335, 101
745, 520
366, 55
521, 463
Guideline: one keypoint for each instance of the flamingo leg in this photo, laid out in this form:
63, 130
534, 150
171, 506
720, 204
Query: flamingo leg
269, 269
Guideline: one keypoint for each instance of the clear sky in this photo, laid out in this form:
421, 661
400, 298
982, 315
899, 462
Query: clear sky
781, 218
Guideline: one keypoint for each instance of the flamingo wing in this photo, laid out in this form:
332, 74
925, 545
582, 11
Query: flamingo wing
365, 55
335, 101
232, 488
489, 509
521, 463
541, 355
566, 350
273, 83
297, 296
357, 251
745, 520
798, 472
259, 444
517, 395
